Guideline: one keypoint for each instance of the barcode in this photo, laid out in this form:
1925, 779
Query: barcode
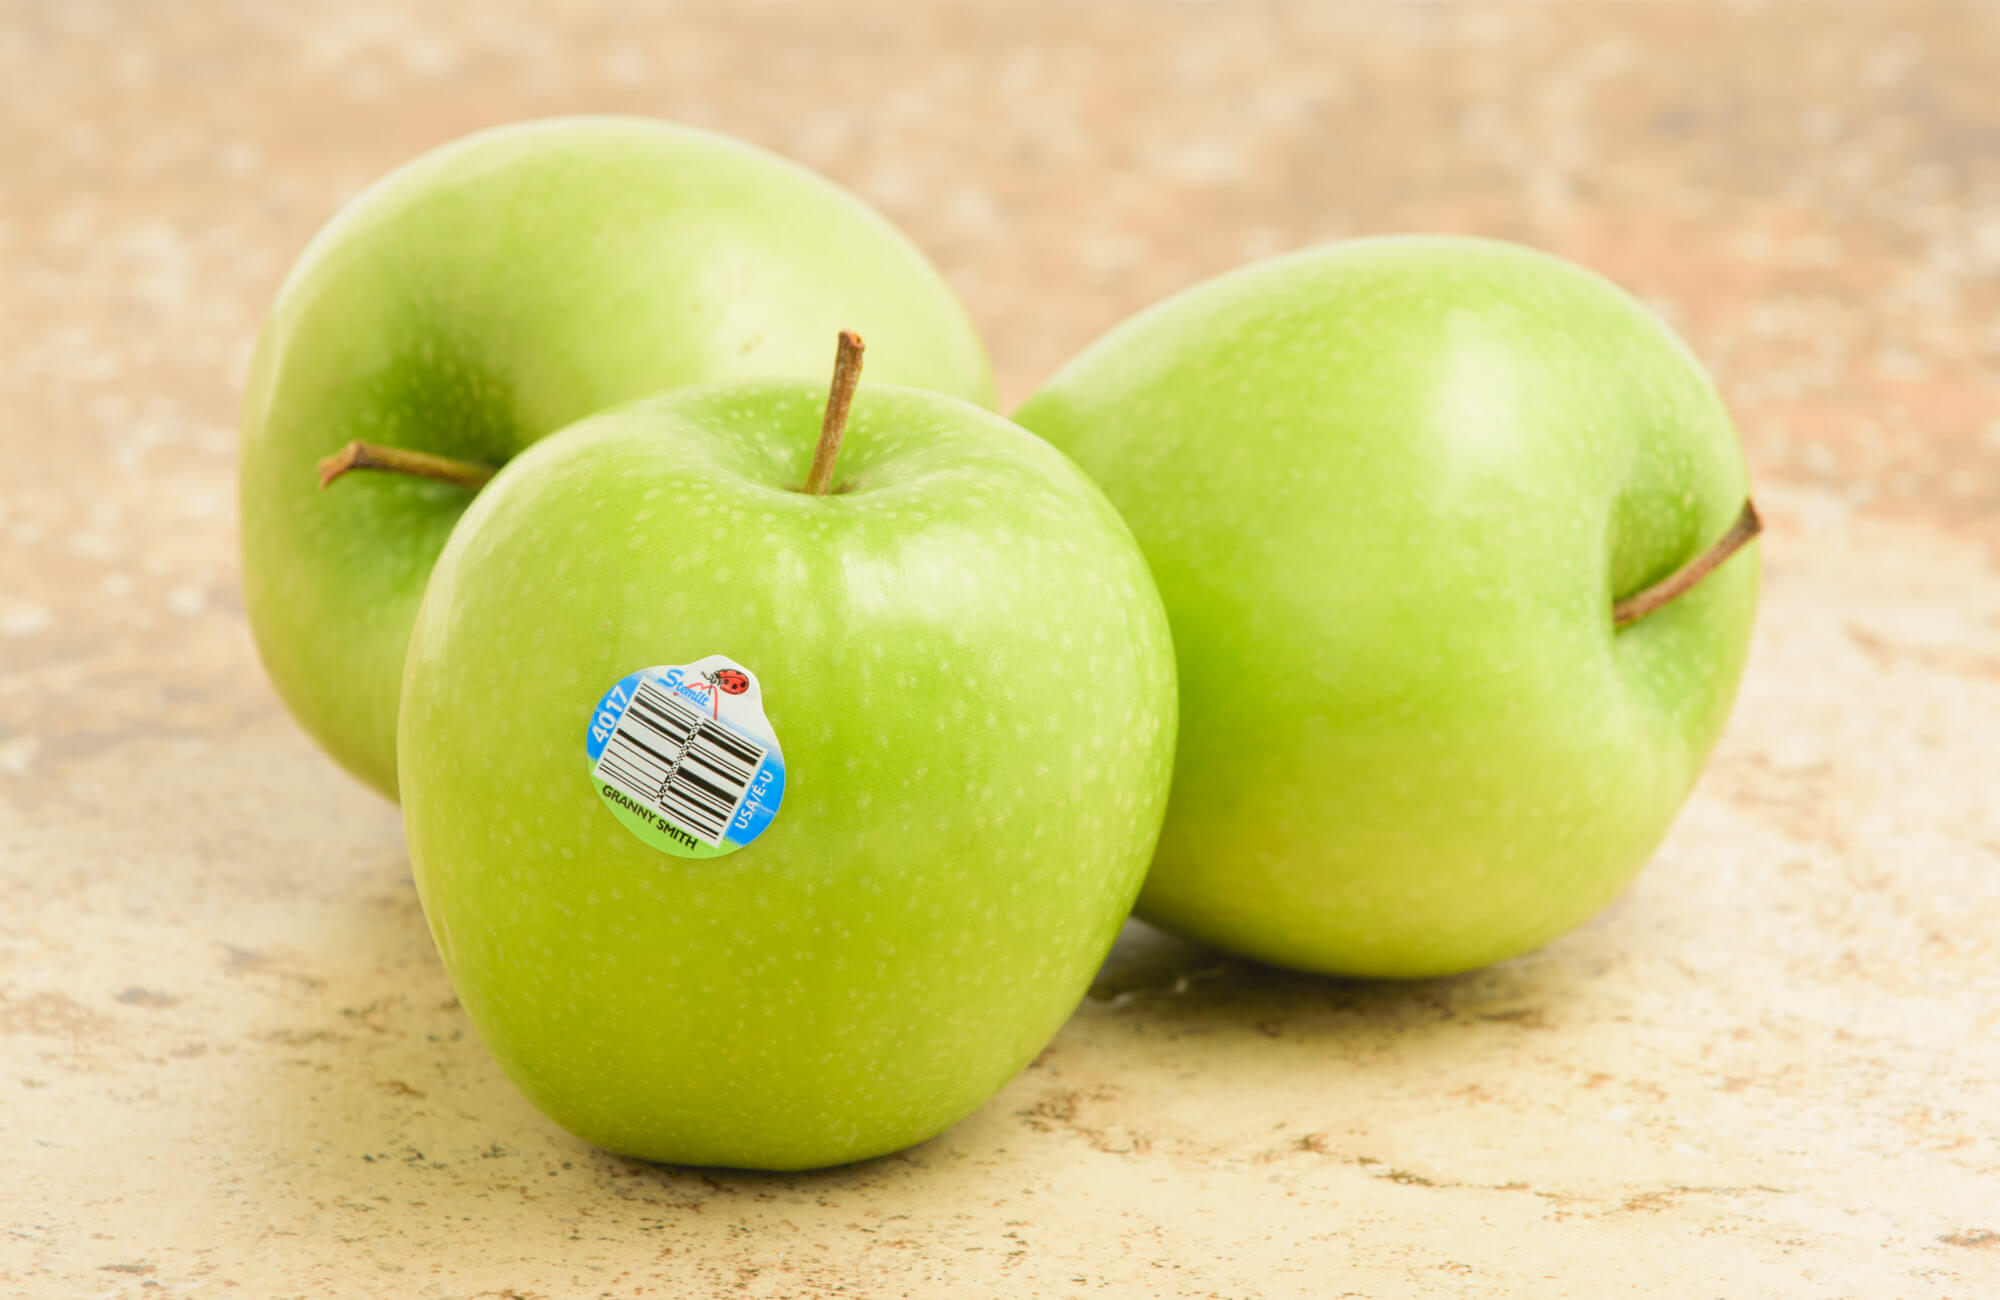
690, 769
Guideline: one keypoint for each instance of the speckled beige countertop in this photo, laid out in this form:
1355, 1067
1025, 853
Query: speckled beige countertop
230, 1062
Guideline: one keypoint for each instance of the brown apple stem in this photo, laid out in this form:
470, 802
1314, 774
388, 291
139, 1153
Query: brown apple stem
402, 460
846, 374
1635, 607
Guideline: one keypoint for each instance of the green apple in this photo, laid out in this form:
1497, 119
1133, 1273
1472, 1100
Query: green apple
1392, 492
964, 662
503, 287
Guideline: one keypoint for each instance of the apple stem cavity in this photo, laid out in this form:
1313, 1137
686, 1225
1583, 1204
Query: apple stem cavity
402, 460
846, 375
1635, 607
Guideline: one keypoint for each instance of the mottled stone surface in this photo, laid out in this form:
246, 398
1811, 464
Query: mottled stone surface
230, 1063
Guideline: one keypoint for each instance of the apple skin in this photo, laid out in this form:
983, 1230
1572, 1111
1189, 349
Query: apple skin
968, 668
498, 289
1390, 490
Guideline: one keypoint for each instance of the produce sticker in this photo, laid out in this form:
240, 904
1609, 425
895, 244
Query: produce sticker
684, 756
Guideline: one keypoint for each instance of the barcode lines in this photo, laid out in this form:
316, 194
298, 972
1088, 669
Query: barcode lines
688, 768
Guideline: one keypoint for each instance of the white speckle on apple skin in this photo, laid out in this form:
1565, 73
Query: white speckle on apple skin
935, 892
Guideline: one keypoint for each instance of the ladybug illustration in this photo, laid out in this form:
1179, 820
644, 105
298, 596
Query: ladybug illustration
731, 680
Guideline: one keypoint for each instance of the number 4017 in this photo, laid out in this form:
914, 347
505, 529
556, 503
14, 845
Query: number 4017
607, 714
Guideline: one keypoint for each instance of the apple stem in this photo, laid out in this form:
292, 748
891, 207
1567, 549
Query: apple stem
402, 460
846, 374
1635, 607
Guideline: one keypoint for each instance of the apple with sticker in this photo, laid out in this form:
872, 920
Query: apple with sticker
750, 825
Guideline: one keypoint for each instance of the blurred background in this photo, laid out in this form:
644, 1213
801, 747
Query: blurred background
228, 1056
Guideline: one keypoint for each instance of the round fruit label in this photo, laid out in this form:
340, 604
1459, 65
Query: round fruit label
683, 755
